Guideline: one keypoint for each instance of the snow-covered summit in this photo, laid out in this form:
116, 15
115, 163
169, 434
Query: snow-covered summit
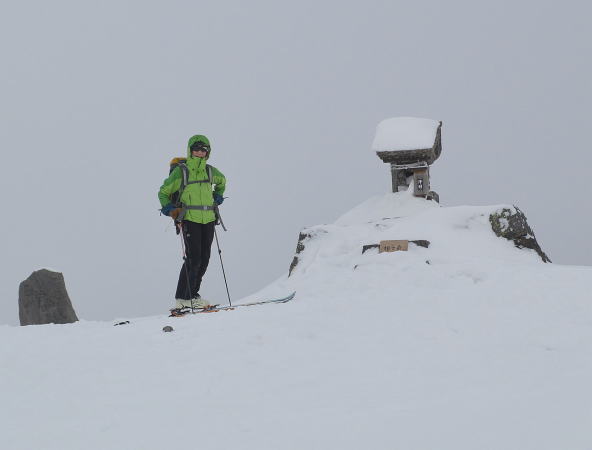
405, 133
468, 343
461, 240
391, 205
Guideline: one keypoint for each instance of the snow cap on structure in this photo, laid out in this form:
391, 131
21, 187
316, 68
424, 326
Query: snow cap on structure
405, 133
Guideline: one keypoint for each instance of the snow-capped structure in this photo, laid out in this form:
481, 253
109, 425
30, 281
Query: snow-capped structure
410, 145
406, 134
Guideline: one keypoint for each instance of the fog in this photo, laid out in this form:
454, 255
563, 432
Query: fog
97, 98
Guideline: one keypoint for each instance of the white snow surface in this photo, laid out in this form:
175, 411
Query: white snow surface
405, 133
469, 344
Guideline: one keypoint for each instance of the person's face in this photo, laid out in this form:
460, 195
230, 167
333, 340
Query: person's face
199, 153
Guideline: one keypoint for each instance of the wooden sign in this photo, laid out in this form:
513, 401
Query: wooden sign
393, 246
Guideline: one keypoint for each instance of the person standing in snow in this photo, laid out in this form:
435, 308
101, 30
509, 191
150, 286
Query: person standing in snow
199, 195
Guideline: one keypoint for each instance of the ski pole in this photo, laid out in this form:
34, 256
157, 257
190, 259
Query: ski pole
222, 264
218, 216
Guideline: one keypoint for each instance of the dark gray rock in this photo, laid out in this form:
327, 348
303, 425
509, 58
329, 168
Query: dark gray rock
303, 238
421, 243
168, 329
512, 225
365, 248
43, 299
433, 196
299, 248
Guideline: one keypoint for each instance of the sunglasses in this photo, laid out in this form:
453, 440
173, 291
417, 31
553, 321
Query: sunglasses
200, 148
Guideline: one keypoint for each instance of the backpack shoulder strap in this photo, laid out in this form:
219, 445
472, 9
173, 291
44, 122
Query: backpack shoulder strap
184, 176
209, 170
184, 172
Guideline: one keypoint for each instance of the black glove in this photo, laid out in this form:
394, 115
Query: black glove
218, 199
166, 210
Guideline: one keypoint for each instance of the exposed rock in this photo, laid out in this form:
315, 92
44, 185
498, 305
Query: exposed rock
369, 246
433, 196
512, 225
43, 299
299, 248
168, 329
302, 238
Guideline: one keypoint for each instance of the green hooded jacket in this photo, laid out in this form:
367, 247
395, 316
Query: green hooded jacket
197, 194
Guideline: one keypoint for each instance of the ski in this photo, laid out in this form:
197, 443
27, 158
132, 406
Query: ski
177, 312
216, 308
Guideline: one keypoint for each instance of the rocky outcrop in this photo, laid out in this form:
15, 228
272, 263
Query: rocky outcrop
43, 299
433, 196
299, 248
304, 236
511, 224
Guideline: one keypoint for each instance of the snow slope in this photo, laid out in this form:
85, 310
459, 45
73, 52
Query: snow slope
469, 344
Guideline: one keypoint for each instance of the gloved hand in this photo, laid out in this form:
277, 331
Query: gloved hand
218, 199
166, 210
175, 213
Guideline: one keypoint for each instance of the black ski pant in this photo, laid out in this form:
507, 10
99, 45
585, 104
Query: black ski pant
198, 239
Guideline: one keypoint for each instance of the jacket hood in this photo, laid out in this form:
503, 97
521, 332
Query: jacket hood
198, 138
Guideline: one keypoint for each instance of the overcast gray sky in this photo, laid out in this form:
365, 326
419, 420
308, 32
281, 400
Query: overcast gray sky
97, 97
